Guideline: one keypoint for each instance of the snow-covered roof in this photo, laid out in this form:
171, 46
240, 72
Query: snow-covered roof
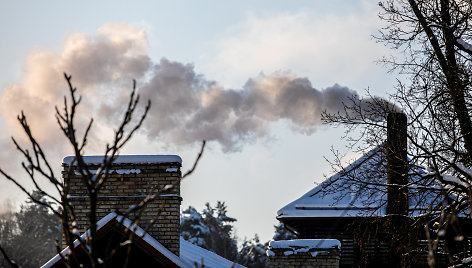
131, 226
189, 253
338, 196
128, 159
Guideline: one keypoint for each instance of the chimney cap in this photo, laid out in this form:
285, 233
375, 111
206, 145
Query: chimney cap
396, 115
126, 159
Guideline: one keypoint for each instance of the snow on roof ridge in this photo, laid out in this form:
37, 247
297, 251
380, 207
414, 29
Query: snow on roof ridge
65, 251
296, 246
127, 159
189, 253
150, 240
305, 243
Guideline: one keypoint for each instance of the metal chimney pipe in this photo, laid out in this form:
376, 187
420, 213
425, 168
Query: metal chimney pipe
397, 164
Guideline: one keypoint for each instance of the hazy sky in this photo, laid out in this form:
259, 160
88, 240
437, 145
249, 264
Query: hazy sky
249, 76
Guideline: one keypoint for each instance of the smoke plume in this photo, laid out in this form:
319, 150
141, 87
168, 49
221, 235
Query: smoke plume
186, 107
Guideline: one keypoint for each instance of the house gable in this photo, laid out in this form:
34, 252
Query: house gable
115, 232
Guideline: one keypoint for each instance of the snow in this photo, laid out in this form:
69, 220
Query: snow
465, 263
464, 168
172, 169
127, 171
150, 240
464, 44
305, 244
131, 226
316, 203
296, 246
349, 201
202, 228
128, 159
189, 253
467, 260
118, 171
455, 180
315, 253
441, 233
124, 196
75, 231
192, 254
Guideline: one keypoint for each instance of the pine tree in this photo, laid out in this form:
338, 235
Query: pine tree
192, 227
253, 253
29, 236
212, 229
282, 233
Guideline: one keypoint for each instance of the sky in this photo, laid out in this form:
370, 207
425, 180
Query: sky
251, 77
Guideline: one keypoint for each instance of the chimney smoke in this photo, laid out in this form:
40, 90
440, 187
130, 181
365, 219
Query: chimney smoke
186, 107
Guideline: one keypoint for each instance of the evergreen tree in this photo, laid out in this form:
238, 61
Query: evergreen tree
282, 233
192, 227
253, 253
221, 239
29, 236
212, 230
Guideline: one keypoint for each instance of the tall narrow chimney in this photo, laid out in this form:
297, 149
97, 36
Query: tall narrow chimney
397, 194
397, 166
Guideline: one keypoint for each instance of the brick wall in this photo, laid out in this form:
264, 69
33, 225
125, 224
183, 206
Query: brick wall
129, 184
303, 257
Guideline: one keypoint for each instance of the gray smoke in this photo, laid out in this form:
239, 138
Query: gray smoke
186, 107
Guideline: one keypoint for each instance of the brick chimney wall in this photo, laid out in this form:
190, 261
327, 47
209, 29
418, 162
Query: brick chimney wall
131, 180
327, 258
304, 253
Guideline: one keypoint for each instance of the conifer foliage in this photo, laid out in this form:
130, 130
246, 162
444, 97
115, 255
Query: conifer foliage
282, 233
29, 236
212, 229
253, 253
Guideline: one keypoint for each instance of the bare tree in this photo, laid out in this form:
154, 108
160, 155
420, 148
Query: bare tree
40, 170
433, 40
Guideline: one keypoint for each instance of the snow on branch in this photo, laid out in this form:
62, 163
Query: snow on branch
455, 180
463, 45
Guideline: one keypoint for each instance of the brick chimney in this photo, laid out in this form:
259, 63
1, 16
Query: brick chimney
132, 177
301, 253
